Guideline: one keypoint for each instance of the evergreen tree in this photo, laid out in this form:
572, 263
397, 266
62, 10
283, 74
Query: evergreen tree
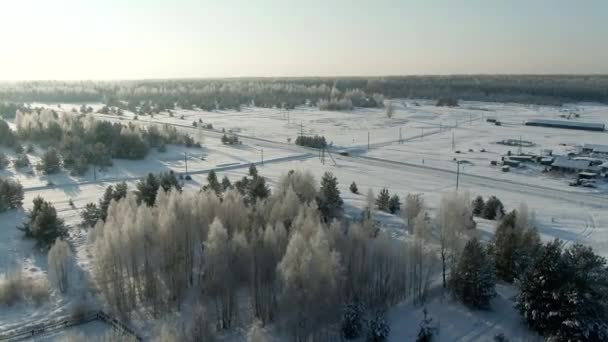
43, 224
253, 171
49, 164
427, 329
378, 329
506, 242
168, 181
353, 188
394, 204
383, 200
3, 161
565, 294
329, 200
473, 280
226, 183
11, 194
120, 191
258, 189
213, 184
90, 215
104, 202
493, 209
147, 190
478, 206
352, 321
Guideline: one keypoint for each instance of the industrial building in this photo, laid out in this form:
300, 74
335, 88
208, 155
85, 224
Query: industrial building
568, 124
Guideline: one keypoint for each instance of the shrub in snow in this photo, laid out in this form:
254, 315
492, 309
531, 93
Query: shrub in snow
427, 329
378, 329
352, 321
353, 188
473, 279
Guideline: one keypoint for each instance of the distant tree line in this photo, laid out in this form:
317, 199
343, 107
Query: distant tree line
153, 96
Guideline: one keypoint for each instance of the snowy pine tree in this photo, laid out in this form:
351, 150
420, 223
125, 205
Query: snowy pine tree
329, 200
213, 184
352, 320
473, 280
493, 209
379, 329
383, 200
394, 204
353, 188
427, 329
478, 206
43, 224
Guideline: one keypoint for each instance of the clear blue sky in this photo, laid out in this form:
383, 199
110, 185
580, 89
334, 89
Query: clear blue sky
127, 39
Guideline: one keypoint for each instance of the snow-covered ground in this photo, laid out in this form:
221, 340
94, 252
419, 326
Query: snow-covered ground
571, 214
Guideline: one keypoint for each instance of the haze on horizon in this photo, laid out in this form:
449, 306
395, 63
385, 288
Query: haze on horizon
137, 39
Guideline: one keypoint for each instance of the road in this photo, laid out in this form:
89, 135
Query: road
578, 198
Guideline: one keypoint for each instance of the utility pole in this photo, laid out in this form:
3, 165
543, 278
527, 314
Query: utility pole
453, 144
262, 150
422, 134
457, 174
186, 161
368, 140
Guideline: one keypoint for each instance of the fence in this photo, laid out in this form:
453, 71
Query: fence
46, 327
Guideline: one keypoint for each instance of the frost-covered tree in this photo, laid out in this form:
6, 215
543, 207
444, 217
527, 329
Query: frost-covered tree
329, 200
310, 273
473, 279
43, 224
454, 220
389, 109
302, 182
383, 200
60, 265
413, 205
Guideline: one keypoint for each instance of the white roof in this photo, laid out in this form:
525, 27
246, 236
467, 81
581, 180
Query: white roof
596, 148
567, 123
563, 162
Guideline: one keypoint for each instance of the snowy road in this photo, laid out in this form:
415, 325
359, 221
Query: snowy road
578, 198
